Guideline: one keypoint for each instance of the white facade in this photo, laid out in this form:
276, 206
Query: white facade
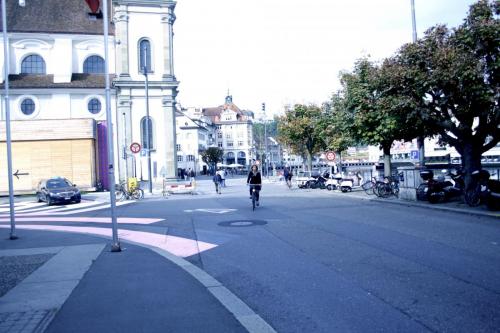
63, 56
194, 134
64, 92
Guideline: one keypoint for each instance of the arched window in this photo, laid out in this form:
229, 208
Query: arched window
93, 64
145, 142
33, 64
241, 154
144, 55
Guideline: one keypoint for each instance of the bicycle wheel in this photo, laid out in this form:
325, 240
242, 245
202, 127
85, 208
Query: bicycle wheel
368, 187
138, 194
253, 199
120, 195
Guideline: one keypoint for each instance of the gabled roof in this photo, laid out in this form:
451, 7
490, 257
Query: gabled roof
53, 16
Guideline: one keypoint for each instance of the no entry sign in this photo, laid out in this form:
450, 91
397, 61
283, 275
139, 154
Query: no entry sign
135, 147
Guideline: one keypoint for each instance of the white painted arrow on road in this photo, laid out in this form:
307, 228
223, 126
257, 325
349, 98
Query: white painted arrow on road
211, 210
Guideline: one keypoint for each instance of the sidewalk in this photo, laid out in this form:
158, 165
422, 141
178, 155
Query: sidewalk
63, 282
455, 206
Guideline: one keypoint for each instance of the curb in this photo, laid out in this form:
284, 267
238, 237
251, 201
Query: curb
240, 310
437, 207
424, 205
251, 321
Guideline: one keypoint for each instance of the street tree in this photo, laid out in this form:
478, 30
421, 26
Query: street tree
334, 128
298, 129
453, 78
370, 109
212, 156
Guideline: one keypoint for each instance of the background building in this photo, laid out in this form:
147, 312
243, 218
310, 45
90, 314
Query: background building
234, 132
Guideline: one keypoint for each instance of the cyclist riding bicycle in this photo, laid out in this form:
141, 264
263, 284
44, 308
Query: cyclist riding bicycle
255, 181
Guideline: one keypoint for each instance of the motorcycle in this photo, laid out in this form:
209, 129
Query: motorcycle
319, 182
440, 190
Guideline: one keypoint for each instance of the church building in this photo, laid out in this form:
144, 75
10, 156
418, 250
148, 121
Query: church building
57, 90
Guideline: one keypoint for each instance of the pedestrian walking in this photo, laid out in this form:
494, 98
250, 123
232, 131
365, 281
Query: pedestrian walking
217, 182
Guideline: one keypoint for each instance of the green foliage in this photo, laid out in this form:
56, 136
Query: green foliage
299, 130
212, 156
452, 76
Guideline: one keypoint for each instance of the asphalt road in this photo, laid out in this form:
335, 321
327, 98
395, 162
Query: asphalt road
314, 261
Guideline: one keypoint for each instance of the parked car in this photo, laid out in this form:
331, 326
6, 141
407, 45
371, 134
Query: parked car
302, 178
57, 190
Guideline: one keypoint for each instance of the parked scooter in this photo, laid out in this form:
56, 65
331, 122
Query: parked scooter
333, 183
440, 190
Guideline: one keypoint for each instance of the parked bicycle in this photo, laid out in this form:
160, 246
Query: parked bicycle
123, 193
390, 186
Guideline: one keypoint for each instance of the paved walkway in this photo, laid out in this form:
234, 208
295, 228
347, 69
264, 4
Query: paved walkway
74, 283
81, 286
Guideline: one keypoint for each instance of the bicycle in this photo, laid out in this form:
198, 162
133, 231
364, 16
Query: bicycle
122, 193
390, 186
254, 194
369, 186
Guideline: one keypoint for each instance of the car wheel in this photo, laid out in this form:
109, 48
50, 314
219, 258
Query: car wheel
329, 187
78, 200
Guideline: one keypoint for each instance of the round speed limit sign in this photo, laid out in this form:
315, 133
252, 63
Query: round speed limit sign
135, 147
330, 156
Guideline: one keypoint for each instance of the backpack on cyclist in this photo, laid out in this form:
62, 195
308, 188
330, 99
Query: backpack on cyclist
217, 178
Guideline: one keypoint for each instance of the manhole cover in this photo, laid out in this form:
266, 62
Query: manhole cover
242, 223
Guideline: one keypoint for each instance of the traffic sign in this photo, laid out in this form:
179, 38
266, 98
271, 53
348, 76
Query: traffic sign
414, 155
135, 147
330, 156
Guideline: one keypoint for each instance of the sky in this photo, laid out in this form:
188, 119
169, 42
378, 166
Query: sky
282, 52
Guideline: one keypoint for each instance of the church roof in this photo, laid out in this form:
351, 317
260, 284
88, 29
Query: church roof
53, 16
30, 81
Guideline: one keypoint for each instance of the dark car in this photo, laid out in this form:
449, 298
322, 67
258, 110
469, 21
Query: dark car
57, 190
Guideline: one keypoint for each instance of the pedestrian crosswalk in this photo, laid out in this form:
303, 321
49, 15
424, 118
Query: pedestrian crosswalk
29, 208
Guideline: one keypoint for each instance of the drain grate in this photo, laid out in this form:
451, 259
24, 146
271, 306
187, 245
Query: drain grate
242, 223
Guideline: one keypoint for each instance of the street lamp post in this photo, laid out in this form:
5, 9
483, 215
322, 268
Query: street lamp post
420, 139
115, 247
146, 83
7, 124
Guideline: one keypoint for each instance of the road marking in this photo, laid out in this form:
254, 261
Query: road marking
67, 210
179, 246
211, 210
131, 220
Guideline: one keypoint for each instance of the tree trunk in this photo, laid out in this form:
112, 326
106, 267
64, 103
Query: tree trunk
471, 161
387, 160
309, 160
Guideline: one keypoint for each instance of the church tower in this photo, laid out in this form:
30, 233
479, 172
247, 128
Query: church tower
145, 85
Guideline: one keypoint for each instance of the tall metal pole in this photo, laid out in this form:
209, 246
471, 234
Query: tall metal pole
125, 155
420, 139
146, 83
413, 21
115, 247
7, 123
